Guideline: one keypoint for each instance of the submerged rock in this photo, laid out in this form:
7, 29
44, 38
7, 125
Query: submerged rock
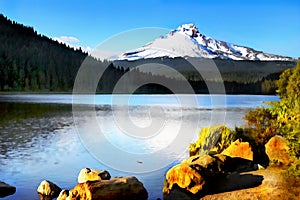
121, 188
87, 174
6, 190
239, 149
48, 189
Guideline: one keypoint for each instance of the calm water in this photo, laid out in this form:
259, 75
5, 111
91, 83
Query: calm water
41, 138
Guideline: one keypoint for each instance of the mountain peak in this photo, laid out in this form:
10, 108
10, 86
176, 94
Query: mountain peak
188, 29
187, 41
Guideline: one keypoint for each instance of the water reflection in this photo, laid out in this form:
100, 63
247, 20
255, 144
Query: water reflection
39, 141
23, 126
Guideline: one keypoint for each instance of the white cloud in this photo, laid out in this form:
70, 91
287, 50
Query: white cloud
66, 39
105, 55
72, 42
87, 49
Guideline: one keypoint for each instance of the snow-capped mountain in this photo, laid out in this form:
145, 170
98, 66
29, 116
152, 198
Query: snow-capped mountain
187, 41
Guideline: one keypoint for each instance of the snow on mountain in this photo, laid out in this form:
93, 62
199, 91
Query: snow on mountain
187, 41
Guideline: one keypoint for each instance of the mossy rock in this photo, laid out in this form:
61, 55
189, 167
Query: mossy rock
213, 140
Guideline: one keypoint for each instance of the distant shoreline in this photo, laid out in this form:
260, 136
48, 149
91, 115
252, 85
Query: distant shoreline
71, 93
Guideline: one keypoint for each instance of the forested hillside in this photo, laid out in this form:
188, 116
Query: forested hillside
33, 62
238, 77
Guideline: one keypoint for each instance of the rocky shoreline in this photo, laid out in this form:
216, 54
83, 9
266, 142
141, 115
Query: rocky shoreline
231, 174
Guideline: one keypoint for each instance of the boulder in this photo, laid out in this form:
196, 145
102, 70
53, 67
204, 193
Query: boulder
6, 190
121, 188
197, 175
277, 150
49, 189
234, 164
87, 174
208, 166
185, 177
239, 149
193, 174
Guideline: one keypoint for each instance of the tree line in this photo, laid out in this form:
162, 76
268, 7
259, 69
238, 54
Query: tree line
33, 62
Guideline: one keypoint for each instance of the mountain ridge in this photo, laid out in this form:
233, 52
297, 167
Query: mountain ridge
187, 41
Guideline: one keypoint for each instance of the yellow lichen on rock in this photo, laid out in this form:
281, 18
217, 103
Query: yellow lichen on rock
277, 150
87, 174
239, 149
183, 175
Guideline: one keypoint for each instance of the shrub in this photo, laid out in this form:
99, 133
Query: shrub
281, 117
262, 125
213, 140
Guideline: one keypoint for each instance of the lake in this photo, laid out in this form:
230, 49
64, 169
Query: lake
54, 136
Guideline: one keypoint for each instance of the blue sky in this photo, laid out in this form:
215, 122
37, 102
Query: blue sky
272, 26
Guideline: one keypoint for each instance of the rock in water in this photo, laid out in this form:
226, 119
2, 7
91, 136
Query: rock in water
277, 150
6, 190
87, 174
49, 189
122, 188
239, 149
